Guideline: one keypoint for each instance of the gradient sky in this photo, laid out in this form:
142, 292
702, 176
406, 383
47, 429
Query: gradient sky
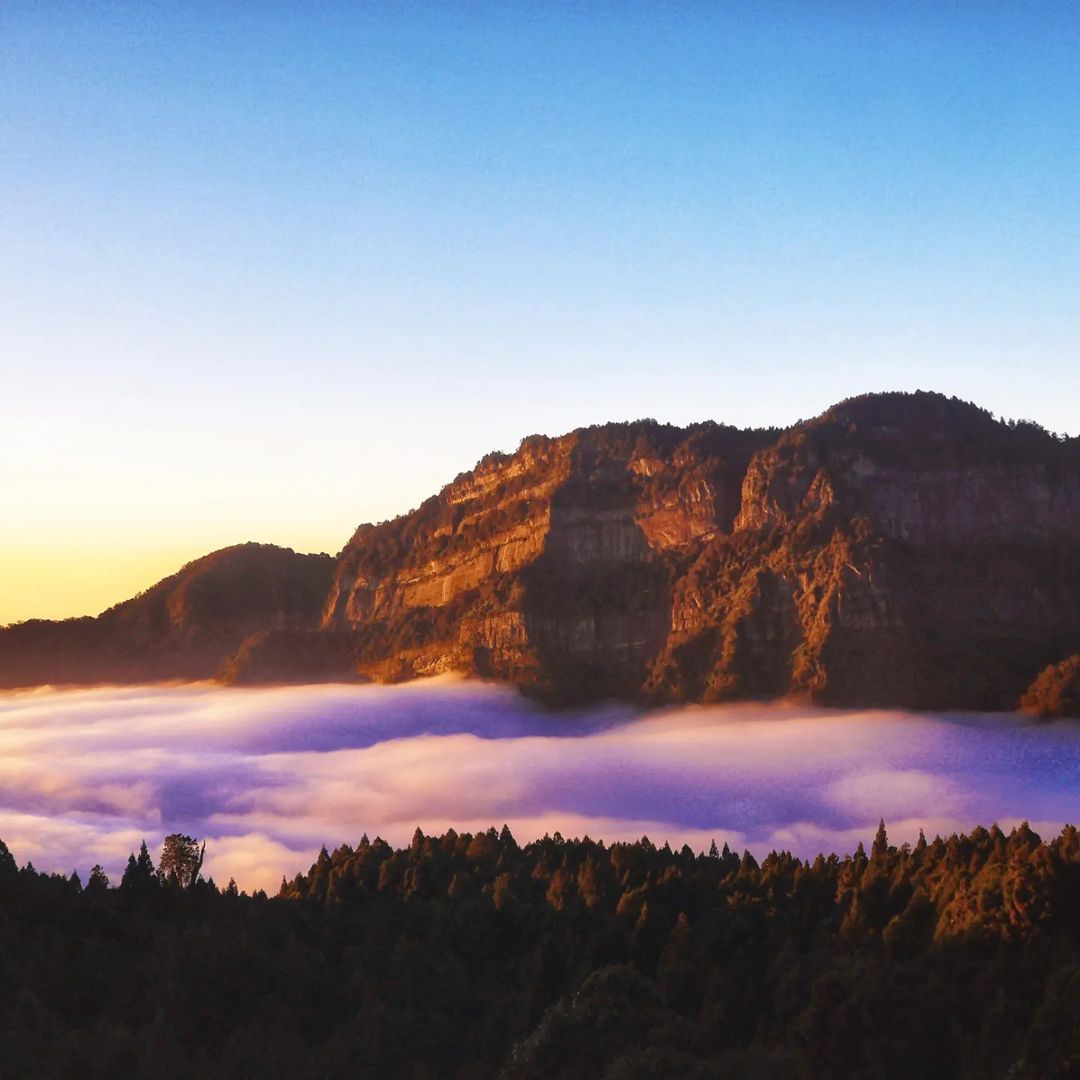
270, 270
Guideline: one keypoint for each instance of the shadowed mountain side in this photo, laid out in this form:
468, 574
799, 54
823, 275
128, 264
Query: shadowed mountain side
291, 656
903, 550
900, 548
182, 627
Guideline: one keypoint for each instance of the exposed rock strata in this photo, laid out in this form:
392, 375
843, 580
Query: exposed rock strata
551, 567
897, 550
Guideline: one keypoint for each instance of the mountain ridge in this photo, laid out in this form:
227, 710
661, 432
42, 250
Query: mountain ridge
898, 549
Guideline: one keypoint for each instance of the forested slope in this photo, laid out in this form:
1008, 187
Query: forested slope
469, 956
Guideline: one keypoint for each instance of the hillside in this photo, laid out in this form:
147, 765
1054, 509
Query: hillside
180, 628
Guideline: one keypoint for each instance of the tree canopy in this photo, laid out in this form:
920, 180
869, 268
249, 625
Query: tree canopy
468, 955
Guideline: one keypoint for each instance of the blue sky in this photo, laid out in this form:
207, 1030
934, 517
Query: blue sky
272, 270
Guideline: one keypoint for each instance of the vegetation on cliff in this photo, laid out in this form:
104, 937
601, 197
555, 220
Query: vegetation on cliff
1056, 692
467, 955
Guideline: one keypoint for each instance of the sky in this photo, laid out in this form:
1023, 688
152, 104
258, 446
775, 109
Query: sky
271, 270
267, 776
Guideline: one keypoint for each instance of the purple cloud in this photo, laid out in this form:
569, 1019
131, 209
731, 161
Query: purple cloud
267, 775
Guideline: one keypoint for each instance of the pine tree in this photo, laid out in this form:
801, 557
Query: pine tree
98, 882
144, 862
881, 841
131, 873
139, 874
8, 866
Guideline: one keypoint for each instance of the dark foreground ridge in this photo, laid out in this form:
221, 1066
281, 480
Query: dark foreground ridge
468, 956
898, 550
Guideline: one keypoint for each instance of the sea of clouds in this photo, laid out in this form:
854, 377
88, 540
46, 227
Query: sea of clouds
268, 775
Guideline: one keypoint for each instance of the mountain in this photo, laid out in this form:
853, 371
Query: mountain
898, 550
180, 628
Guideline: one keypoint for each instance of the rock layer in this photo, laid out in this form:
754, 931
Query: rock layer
551, 567
900, 549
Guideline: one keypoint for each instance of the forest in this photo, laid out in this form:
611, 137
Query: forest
469, 955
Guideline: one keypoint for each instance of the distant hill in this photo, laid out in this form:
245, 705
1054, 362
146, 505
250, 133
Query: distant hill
898, 550
180, 628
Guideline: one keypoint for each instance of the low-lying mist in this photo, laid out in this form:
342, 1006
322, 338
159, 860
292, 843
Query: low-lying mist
268, 775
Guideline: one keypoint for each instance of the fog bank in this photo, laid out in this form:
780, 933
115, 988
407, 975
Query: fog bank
267, 775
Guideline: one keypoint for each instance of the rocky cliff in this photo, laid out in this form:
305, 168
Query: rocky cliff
900, 549
552, 567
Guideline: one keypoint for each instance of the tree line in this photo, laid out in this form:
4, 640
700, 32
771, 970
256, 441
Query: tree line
468, 955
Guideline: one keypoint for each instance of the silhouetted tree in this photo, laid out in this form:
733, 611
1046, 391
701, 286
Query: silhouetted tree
98, 882
881, 840
181, 860
8, 867
139, 873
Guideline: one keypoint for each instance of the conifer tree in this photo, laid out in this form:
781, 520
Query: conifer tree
139, 873
8, 866
881, 841
98, 882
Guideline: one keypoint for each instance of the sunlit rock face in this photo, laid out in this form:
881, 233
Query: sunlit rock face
551, 567
898, 550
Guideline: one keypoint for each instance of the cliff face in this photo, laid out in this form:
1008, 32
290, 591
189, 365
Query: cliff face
551, 567
897, 550
182, 627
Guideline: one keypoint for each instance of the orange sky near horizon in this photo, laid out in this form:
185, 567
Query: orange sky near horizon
53, 582
58, 584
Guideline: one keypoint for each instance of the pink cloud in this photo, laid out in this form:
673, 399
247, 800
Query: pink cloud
267, 775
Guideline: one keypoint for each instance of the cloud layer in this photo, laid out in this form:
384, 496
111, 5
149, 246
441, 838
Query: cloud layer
267, 775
